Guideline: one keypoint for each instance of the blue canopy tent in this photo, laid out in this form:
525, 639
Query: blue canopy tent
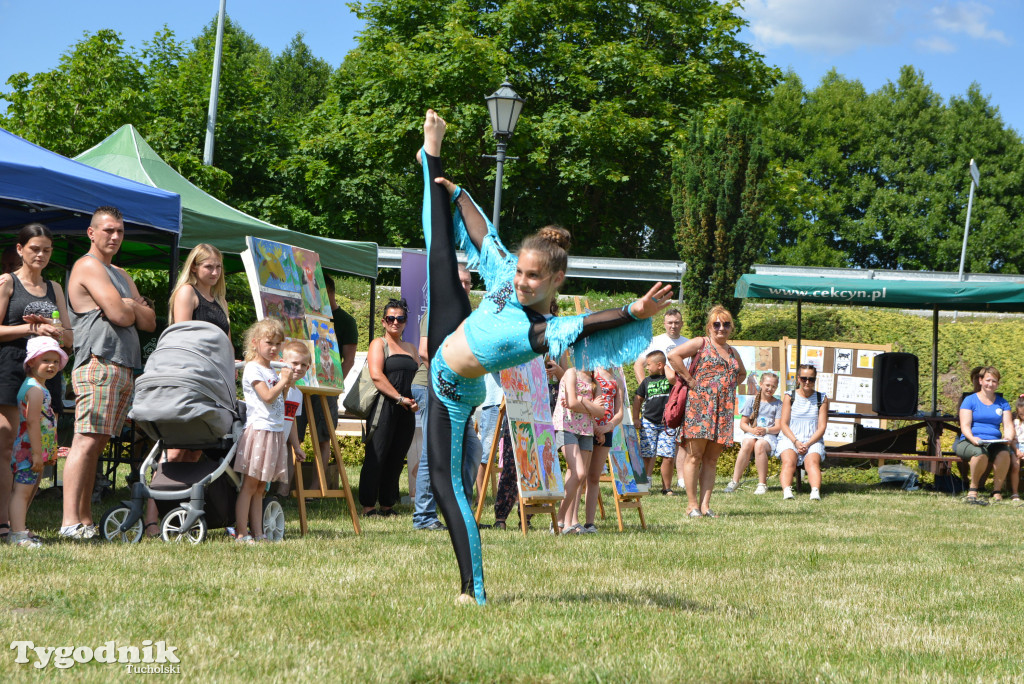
37, 185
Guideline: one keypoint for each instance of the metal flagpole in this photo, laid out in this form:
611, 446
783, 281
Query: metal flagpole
211, 116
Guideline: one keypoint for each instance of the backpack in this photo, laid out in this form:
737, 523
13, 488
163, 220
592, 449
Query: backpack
820, 396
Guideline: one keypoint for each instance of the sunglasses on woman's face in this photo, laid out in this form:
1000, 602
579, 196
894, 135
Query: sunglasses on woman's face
721, 325
806, 378
396, 319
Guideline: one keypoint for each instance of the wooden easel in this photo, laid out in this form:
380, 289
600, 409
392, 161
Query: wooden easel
300, 491
626, 501
539, 505
491, 458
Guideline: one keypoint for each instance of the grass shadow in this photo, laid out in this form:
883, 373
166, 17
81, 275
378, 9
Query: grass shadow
638, 600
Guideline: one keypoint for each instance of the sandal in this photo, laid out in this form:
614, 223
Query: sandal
499, 525
974, 499
695, 513
153, 524
710, 514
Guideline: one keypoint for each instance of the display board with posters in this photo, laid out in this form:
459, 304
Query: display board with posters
846, 375
759, 359
288, 284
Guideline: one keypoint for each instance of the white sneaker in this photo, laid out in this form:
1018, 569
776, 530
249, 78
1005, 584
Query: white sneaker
682, 484
23, 540
731, 487
815, 494
75, 531
762, 488
787, 493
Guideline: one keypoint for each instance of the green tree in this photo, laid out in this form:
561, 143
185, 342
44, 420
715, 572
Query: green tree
97, 87
298, 80
879, 180
246, 141
814, 141
719, 192
608, 87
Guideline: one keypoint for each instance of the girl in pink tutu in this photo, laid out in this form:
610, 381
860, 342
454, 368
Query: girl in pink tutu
262, 451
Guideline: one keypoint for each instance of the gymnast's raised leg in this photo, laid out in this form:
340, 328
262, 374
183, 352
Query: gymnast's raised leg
452, 397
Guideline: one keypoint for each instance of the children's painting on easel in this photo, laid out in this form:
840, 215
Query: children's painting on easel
626, 435
533, 437
288, 284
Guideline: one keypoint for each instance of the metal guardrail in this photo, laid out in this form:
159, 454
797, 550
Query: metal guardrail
605, 268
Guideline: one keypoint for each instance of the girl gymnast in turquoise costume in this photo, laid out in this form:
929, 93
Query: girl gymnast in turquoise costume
511, 326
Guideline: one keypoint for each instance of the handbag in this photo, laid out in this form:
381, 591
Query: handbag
359, 400
675, 407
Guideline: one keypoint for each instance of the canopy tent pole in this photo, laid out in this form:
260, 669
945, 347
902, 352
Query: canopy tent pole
171, 281
935, 359
799, 335
373, 309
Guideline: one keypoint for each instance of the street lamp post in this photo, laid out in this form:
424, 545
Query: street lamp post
970, 201
504, 106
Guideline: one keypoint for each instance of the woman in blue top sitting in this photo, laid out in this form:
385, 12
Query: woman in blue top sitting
981, 415
510, 326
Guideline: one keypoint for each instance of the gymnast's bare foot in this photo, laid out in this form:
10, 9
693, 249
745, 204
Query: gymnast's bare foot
433, 133
465, 600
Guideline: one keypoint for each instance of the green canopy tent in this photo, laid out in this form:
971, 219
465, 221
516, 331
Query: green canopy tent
904, 289
206, 219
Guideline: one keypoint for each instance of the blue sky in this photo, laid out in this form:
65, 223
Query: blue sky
952, 42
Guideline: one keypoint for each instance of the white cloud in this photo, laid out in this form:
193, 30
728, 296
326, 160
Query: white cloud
833, 26
967, 17
935, 44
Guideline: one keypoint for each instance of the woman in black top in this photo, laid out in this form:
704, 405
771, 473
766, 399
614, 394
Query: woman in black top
392, 364
27, 302
200, 292
199, 295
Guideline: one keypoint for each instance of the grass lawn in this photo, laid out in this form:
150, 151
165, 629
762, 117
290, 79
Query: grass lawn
866, 585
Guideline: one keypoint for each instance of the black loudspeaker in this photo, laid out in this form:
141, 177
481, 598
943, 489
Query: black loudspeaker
894, 392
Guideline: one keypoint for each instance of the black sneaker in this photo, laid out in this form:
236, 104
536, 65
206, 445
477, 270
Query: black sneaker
436, 526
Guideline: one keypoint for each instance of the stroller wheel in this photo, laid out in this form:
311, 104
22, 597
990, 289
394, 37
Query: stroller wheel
110, 524
171, 527
273, 519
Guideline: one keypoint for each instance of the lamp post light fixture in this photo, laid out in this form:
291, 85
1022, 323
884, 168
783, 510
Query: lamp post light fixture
504, 106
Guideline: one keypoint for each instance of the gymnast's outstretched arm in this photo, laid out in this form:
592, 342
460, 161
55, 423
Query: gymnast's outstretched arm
656, 299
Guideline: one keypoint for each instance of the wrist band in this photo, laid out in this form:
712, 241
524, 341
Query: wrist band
629, 311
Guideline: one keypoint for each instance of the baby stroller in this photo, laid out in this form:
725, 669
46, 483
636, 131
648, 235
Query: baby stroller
186, 399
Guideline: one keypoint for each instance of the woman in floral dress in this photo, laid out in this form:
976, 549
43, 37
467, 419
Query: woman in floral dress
708, 423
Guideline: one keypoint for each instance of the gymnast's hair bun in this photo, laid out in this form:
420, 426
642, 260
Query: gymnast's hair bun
557, 235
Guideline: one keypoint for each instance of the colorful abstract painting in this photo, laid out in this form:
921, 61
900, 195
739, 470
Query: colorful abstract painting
313, 288
622, 469
533, 438
289, 311
326, 355
275, 265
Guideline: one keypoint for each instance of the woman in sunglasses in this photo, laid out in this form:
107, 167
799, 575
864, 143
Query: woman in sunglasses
392, 363
708, 423
804, 414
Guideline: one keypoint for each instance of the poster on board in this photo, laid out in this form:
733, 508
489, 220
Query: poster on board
760, 359
287, 283
533, 437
